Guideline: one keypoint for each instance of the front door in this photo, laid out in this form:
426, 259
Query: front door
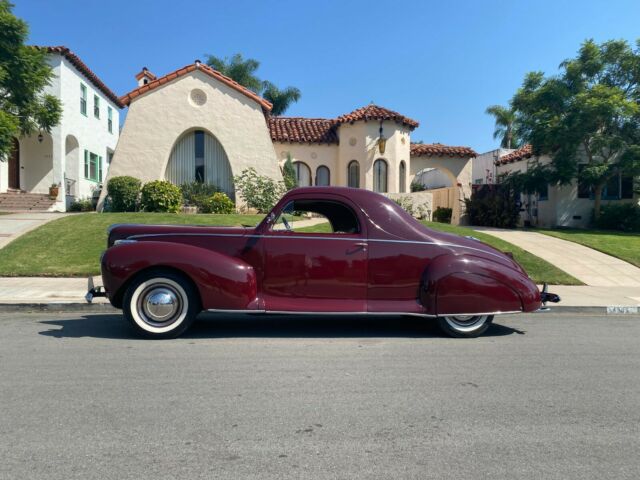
315, 268
14, 166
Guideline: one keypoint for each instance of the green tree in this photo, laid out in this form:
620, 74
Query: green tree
243, 70
587, 114
289, 174
24, 73
505, 125
280, 99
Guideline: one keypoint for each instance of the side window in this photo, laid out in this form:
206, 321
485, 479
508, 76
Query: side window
317, 216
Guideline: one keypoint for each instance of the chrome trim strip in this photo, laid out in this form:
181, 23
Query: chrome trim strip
411, 314
305, 237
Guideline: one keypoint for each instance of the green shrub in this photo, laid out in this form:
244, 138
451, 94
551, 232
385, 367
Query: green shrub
442, 215
623, 216
196, 191
417, 187
219, 202
259, 192
161, 196
85, 205
123, 194
494, 206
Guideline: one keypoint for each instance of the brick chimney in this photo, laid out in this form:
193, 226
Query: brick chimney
145, 76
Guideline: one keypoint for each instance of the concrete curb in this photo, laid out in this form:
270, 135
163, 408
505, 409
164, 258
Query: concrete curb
107, 308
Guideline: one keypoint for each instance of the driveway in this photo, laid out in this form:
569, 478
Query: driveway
15, 224
587, 265
538, 397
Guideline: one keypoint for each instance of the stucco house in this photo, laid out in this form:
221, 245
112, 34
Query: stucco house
195, 124
566, 205
76, 155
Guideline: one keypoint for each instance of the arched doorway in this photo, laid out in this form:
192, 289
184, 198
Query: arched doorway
199, 157
14, 166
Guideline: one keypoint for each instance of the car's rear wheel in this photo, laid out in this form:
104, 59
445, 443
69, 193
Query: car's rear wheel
160, 304
465, 326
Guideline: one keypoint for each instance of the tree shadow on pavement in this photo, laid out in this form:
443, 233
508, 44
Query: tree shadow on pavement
265, 326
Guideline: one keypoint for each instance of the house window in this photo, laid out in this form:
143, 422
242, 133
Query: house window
303, 174
403, 174
199, 154
618, 187
353, 174
96, 106
110, 119
323, 176
626, 186
83, 99
380, 176
543, 194
92, 166
584, 191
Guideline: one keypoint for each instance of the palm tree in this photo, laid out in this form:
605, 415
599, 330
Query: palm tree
243, 71
506, 125
280, 99
239, 69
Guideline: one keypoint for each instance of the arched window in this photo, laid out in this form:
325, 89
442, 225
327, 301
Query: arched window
323, 176
303, 174
403, 177
380, 176
198, 157
353, 174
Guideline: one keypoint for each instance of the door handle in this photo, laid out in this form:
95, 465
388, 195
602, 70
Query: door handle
357, 247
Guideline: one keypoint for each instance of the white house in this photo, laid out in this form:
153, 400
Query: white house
76, 155
197, 124
566, 205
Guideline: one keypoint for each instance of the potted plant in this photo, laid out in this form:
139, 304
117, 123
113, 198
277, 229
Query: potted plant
53, 191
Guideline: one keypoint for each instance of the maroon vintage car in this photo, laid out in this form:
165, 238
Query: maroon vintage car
368, 257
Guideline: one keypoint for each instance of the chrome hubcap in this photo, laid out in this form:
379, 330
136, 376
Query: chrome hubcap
466, 323
159, 305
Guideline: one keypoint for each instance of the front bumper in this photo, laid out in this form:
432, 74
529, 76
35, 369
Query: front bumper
546, 296
93, 291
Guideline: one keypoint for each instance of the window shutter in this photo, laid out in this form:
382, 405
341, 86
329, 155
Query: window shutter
86, 164
100, 169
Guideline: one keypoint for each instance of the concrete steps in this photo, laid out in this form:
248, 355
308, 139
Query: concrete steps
25, 202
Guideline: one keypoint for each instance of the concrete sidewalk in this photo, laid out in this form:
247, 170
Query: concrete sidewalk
591, 267
14, 225
35, 292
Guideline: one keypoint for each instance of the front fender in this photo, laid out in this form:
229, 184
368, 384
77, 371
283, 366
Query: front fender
223, 282
469, 284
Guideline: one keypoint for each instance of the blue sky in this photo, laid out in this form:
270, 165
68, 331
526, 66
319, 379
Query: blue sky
441, 63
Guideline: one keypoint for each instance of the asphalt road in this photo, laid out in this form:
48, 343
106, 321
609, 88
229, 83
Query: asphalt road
540, 396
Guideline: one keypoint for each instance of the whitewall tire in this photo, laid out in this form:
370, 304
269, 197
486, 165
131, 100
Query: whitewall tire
160, 304
465, 326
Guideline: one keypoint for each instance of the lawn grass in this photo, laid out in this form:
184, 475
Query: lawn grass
71, 246
538, 269
625, 246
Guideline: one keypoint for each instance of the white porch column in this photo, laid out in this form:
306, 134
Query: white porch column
58, 160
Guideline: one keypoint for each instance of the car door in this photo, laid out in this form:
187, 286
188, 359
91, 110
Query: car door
315, 268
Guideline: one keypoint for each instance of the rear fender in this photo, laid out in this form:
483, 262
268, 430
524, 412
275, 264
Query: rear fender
223, 282
468, 284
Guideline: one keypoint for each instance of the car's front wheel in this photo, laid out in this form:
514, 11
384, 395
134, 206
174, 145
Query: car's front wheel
160, 304
465, 326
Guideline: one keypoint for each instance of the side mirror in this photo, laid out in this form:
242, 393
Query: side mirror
271, 218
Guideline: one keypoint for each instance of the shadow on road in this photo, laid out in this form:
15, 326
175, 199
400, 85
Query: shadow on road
266, 326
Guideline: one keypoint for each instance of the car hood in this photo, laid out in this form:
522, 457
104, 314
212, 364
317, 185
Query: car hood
132, 231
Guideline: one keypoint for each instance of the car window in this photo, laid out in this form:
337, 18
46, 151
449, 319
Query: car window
317, 216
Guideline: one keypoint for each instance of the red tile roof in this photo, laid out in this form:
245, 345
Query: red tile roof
520, 154
374, 112
126, 99
440, 150
86, 71
303, 130
145, 73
